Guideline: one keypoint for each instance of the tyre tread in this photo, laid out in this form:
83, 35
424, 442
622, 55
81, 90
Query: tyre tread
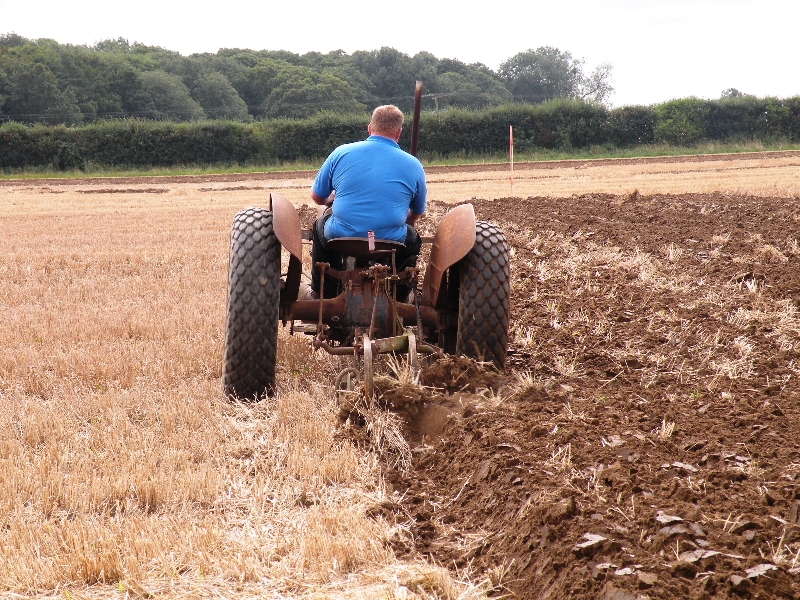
251, 331
483, 305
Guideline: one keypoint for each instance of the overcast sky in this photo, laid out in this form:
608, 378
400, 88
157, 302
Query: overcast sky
658, 49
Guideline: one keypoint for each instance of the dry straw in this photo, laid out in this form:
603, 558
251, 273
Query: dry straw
123, 470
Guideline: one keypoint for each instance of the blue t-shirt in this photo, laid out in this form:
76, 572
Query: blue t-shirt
376, 183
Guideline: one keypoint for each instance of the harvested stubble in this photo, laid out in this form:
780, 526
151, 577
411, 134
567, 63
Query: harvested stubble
767, 174
122, 467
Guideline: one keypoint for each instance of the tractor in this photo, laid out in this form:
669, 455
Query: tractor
461, 308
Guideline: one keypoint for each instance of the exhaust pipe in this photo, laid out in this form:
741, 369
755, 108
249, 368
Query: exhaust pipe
415, 118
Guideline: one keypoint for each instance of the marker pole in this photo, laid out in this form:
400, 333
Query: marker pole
511, 154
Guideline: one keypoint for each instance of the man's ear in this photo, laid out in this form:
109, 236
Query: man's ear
369, 129
399, 131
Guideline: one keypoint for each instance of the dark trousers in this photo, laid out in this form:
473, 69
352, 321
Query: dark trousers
405, 257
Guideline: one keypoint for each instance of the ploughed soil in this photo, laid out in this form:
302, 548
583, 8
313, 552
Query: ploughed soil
644, 441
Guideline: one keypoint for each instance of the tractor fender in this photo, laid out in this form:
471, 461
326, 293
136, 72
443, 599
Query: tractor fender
286, 223
454, 238
287, 228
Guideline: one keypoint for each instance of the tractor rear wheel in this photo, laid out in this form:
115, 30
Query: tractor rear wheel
251, 331
483, 295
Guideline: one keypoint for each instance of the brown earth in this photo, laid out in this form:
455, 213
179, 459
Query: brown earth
644, 441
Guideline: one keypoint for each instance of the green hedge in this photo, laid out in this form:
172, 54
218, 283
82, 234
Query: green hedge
143, 143
287, 140
560, 124
134, 143
557, 124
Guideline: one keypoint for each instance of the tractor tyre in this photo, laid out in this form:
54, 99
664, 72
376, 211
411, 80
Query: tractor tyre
483, 292
254, 285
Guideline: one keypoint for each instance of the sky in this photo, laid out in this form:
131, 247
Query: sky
659, 50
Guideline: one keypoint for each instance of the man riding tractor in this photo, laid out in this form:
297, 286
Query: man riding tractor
364, 299
377, 188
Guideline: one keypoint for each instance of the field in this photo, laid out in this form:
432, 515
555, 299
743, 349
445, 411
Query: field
642, 443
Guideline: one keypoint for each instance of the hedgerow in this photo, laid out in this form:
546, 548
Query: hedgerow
558, 124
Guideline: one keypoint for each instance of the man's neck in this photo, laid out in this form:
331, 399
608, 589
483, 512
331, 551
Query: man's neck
391, 136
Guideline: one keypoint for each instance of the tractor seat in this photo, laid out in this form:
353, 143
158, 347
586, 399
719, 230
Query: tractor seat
358, 247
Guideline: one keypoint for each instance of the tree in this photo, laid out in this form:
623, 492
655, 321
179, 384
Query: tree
34, 96
3, 89
299, 92
731, 93
257, 82
126, 94
461, 85
11, 40
169, 98
547, 73
219, 100
117, 46
426, 69
541, 74
275, 88
597, 85
245, 58
233, 70
391, 73
45, 81
35, 90
465, 92
452, 65
337, 63
493, 92
358, 82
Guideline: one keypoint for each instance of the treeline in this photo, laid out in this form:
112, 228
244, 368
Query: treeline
42, 81
558, 124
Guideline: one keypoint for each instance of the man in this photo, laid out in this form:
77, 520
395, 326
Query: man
376, 186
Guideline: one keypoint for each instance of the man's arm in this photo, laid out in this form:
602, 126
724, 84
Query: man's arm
412, 217
418, 203
322, 192
323, 201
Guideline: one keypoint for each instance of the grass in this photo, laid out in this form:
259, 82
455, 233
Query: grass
538, 155
98, 171
602, 152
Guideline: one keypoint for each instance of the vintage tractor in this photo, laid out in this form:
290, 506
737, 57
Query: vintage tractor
462, 307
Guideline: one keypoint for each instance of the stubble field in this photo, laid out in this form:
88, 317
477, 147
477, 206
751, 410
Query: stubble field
642, 443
